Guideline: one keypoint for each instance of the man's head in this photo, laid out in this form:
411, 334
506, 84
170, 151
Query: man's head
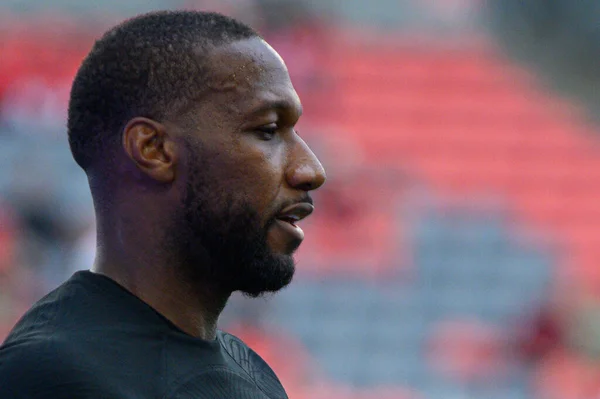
187, 119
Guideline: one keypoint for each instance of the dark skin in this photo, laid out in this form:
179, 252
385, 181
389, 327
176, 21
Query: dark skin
243, 129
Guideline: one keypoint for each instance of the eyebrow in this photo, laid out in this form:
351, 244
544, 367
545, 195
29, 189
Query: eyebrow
277, 105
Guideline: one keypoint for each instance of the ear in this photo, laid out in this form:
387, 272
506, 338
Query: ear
147, 144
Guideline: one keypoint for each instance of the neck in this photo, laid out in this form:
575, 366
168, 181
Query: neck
149, 275
195, 310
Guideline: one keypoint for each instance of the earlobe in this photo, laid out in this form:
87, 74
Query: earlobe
148, 145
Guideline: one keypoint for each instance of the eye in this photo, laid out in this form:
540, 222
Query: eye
267, 133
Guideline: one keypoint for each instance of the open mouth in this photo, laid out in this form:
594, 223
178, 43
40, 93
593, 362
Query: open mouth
293, 214
289, 219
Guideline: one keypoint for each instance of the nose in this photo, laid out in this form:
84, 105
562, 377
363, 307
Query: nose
304, 171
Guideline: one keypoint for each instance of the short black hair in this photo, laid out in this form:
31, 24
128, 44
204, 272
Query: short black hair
152, 65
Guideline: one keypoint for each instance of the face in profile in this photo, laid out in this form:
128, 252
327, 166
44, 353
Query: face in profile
247, 175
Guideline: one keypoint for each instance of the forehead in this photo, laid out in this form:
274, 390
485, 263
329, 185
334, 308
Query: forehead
248, 73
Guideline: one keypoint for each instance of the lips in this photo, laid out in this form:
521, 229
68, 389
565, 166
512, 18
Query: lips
294, 213
289, 234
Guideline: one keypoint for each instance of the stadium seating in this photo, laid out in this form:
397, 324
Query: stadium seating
469, 123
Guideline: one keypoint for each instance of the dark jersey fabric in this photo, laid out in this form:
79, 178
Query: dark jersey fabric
91, 338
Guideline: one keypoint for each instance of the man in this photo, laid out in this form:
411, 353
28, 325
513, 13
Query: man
184, 123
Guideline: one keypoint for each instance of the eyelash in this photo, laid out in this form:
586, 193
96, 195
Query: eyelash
267, 133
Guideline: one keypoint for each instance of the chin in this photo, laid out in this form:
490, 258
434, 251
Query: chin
269, 276
286, 251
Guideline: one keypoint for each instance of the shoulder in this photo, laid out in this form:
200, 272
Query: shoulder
240, 352
53, 311
252, 364
42, 368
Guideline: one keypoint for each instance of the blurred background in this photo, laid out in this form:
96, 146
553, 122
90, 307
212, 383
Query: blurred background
455, 250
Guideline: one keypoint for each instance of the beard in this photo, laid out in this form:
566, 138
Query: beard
221, 242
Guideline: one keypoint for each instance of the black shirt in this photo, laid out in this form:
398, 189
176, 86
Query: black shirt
92, 339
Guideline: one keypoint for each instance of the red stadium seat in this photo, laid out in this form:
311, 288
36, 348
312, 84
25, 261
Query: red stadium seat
465, 122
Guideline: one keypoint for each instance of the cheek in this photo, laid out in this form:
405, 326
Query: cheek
263, 181
256, 175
